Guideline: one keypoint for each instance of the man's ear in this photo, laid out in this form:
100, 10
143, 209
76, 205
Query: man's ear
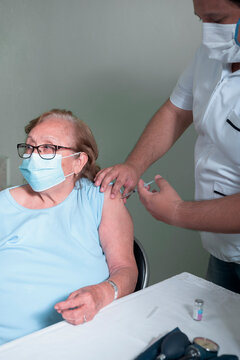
80, 162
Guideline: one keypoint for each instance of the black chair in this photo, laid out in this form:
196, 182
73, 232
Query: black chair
142, 264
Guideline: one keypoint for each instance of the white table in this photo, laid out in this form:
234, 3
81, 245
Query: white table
124, 328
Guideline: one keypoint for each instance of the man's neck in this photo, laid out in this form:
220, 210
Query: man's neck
235, 66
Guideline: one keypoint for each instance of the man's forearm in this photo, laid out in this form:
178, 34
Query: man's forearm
218, 215
166, 126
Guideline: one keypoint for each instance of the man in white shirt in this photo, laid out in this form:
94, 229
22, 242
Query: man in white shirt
207, 94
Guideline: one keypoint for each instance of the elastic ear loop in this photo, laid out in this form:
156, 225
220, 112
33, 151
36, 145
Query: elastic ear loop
77, 153
237, 33
64, 157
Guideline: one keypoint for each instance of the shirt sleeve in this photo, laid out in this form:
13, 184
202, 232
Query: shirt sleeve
182, 95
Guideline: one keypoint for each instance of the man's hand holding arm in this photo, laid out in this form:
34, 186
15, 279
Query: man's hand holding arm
166, 126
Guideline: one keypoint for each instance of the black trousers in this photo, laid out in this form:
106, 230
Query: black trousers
225, 274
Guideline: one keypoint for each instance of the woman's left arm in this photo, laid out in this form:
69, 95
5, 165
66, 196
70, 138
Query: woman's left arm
116, 236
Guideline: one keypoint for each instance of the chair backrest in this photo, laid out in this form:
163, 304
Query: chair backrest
142, 264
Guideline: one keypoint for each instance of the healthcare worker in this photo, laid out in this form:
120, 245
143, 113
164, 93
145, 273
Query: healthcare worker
207, 94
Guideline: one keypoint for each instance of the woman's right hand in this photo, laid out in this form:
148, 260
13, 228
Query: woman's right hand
125, 175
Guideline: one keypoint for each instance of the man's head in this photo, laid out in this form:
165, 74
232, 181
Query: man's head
221, 34
217, 11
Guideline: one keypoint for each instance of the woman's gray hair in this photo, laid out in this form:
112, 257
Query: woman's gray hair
83, 139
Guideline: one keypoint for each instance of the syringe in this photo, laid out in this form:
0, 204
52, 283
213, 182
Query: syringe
135, 190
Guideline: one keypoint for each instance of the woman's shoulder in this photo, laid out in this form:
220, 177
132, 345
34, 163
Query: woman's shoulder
19, 192
11, 190
17, 189
9, 196
90, 198
3, 193
93, 192
86, 186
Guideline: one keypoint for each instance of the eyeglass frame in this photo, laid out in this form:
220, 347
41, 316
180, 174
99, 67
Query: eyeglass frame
55, 147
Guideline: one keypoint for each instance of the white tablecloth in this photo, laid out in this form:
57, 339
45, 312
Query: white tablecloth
125, 328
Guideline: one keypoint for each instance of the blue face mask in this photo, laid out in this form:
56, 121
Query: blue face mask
42, 174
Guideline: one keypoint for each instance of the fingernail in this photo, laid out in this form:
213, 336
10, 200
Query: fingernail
158, 177
102, 189
112, 196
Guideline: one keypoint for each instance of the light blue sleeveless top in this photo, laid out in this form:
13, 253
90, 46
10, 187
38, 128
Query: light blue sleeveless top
45, 255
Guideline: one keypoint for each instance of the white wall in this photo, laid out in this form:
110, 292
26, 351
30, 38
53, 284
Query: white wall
113, 63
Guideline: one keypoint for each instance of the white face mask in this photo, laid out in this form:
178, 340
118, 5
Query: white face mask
42, 174
222, 42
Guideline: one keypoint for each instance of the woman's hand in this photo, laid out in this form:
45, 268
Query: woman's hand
162, 204
81, 305
125, 174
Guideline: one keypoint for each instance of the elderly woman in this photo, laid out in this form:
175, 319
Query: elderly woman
66, 249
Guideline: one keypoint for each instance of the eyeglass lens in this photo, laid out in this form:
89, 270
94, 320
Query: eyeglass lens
45, 151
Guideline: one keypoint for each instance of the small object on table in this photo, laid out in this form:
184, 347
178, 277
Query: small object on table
173, 346
207, 344
201, 349
198, 309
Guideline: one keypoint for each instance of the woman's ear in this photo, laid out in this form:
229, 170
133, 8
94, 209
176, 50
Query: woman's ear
80, 162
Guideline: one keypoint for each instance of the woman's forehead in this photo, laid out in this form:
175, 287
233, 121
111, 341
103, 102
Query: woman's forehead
53, 128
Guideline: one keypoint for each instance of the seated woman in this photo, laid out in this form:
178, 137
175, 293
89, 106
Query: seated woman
66, 249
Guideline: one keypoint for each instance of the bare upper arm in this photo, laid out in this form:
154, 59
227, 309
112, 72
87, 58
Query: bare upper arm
116, 232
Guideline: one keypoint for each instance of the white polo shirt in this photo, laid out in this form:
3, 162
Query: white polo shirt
212, 92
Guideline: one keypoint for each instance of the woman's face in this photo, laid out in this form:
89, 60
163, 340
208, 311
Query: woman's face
56, 131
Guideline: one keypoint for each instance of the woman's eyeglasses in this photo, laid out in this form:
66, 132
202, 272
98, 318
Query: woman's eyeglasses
45, 151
